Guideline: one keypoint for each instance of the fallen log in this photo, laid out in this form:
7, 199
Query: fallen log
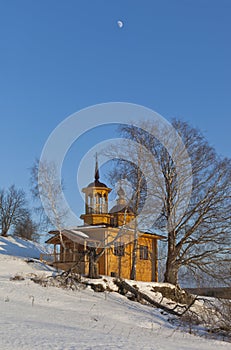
124, 287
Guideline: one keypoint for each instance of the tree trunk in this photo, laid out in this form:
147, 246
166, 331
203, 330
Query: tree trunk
124, 287
93, 268
171, 273
4, 233
134, 259
172, 267
119, 265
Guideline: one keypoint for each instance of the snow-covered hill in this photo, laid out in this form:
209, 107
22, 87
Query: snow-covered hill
19, 247
42, 318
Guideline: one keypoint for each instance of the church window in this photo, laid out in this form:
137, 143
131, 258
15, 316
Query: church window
143, 252
119, 249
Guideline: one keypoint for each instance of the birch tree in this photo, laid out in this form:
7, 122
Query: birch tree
198, 234
133, 172
47, 190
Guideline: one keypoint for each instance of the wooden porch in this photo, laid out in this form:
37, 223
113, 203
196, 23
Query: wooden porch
67, 260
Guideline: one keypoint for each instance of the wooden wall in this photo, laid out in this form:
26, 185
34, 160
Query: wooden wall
111, 264
146, 269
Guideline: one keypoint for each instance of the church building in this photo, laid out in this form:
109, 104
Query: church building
111, 233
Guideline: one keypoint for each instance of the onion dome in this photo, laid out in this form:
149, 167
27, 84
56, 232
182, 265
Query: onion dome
121, 206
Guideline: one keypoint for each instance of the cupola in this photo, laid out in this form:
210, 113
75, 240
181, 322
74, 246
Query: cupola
121, 213
96, 201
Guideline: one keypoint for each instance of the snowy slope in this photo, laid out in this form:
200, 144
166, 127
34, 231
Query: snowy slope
33, 317
19, 247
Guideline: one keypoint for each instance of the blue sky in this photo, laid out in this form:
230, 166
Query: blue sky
57, 57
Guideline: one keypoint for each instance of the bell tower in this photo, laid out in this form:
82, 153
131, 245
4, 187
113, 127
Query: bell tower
96, 201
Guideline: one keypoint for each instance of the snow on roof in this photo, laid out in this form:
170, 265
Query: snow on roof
74, 235
77, 231
77, 228
127, 228
87, 227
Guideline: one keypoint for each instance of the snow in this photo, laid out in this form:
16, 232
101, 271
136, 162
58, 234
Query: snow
19, 247
74, 235
36, 317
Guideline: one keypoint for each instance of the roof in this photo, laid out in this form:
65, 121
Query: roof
120, 208
72, 234
76, 228
153, 234
156, 235
97, 183
77, 234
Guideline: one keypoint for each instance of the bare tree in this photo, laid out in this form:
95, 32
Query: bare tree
48, 191
132, 171
27, 229
44, 222
199, 231
136, 199
12, 208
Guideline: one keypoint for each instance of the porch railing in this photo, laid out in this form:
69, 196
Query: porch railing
64, 257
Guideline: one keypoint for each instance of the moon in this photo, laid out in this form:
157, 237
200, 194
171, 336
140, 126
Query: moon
120, 24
